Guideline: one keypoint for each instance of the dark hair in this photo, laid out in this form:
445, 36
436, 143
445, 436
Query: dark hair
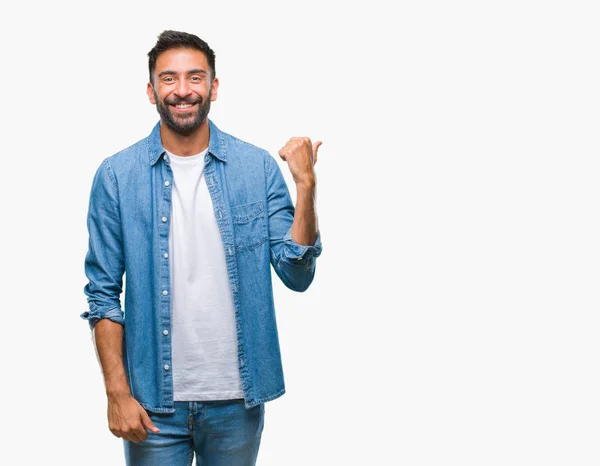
180, 40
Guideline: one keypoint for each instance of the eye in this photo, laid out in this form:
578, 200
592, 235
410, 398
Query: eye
196, 78
168, 79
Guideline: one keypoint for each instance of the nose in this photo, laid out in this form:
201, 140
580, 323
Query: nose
183, 89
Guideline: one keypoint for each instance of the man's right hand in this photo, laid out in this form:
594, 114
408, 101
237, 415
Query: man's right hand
128, 420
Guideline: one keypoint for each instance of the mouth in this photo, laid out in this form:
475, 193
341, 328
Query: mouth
183, 108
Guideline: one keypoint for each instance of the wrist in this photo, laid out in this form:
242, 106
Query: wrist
117, 394
308, 184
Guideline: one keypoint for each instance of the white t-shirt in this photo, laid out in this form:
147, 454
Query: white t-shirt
203, 329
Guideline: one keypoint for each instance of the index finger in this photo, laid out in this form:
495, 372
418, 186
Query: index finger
141, 432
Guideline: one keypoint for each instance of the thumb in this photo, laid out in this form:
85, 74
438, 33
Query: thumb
315, 149
147, 423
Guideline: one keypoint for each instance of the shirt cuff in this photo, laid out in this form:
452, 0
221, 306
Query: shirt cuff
95, 314
297, 251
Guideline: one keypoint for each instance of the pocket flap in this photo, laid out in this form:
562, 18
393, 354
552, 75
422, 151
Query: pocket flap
246, 212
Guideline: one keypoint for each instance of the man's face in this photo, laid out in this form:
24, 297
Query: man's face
182, 91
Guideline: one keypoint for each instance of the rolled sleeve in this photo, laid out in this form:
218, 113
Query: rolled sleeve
93, 316
293, 250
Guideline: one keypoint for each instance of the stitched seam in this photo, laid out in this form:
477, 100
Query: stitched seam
242, 247
114, 181
267, 398
111, 174
269, 164
249, 216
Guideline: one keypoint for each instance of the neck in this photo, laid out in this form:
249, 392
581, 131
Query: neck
190, 144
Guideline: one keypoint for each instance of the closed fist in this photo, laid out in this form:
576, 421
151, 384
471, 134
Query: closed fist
301, 156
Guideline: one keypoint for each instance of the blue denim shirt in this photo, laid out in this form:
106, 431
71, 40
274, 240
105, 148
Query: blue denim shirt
128, 223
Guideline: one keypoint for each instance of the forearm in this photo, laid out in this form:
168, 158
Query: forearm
304, 227
294, 231
108, 340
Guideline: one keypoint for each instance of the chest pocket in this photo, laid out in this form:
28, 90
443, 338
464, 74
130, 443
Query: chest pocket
249, 225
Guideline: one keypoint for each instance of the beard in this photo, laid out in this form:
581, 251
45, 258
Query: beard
184, 124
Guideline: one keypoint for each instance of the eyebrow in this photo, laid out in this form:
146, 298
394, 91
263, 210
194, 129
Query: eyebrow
173, 73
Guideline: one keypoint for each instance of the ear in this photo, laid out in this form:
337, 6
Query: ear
214, 89
150, 92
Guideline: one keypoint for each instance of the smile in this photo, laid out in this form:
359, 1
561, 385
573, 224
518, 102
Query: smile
183, 107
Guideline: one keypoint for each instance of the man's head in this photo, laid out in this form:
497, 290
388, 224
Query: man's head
182, 80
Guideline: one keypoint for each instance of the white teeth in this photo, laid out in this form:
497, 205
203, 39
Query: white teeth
183, 105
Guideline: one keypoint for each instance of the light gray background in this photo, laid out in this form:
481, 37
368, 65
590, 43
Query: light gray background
454, 315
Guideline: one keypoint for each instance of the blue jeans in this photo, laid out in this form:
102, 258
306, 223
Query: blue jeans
221, 433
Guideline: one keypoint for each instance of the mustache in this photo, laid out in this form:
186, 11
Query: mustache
177, 100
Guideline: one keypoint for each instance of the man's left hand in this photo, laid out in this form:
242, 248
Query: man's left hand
301, 157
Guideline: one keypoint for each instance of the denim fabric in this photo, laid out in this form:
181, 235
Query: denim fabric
220, 433
128, 224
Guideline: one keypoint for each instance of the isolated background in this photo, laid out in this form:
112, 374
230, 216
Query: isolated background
453, 319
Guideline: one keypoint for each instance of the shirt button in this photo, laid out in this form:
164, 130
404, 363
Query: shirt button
165, 332
165, 156
167, 183
165, 255
165, 292
166, 367
164, 219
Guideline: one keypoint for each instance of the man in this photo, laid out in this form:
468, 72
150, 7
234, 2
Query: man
195, 218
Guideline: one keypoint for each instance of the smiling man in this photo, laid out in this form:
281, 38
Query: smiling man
186, 90
195, 218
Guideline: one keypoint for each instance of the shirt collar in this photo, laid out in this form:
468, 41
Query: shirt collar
216, 143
